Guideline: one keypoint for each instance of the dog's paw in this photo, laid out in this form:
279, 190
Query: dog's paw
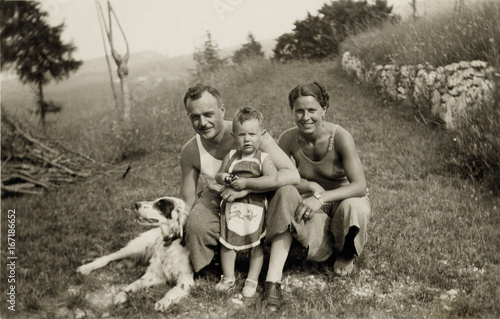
163, 304
84, 270
121, 298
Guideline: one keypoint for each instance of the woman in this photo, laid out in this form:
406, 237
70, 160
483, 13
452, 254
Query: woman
334, 212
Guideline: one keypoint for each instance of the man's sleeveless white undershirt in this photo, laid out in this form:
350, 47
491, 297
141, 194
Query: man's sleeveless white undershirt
209, 165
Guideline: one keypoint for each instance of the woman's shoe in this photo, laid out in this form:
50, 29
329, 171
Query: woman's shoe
250, 288
225, 284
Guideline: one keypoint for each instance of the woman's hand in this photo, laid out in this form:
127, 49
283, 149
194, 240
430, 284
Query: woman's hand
230, 194
239, 184
307, 208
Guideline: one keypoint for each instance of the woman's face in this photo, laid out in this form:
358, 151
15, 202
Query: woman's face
307, 114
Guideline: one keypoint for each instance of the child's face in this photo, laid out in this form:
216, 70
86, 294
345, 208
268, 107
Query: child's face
248, 135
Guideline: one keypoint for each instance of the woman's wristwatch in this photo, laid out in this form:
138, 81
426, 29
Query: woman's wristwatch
318, 197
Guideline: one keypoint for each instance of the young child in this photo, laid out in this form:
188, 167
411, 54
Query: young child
242, 221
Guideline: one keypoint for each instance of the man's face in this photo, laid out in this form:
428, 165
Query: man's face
205, 115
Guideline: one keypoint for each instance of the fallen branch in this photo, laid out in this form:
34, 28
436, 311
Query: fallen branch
21, 188
30, 165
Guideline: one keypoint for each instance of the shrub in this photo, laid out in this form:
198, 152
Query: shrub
439, 40
476, 147
318, 36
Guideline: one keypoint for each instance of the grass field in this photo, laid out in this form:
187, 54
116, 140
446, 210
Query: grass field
434, 238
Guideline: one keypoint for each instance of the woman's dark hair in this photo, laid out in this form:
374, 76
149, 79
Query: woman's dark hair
313, 89
195, 92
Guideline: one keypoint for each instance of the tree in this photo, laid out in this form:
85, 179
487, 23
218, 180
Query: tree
207, 60
34, 48
319, 36
248, 51
120, 60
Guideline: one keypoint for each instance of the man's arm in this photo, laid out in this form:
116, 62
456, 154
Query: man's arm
287, 172
219, 177
189, 173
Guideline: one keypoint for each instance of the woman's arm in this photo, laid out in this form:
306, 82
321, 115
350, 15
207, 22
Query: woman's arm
353, 168
305, 187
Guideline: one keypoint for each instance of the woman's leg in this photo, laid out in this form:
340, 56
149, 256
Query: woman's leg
349, 227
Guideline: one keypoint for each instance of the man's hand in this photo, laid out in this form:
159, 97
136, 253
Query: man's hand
230, 194
239, 183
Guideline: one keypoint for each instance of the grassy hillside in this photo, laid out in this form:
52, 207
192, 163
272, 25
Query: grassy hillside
433, 241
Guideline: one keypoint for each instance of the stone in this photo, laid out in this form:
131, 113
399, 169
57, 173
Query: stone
477, 81
461, 104
468, 73
454, 80
477, 64
451, 68
455, 91
431, 78
463, 65
404, 71
490, 71
80, 314
446, 112
435, 103
445, 98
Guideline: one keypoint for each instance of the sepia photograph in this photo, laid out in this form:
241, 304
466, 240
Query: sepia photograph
250, 159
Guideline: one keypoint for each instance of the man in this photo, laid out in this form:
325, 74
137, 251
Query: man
203, 155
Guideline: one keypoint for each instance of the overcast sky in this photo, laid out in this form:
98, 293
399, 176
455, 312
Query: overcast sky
175, 27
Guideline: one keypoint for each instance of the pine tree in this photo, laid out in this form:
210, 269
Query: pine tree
248, 51
34, 48
208, 60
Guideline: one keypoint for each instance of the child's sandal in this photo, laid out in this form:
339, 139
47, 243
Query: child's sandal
225, 284
250, 288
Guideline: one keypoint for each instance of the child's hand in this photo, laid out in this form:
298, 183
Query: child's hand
239, 184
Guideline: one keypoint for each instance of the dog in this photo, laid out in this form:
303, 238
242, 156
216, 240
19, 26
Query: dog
162, 246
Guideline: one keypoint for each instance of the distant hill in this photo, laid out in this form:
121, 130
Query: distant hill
91, 81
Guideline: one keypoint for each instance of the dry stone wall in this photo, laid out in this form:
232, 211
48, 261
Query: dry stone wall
447, 92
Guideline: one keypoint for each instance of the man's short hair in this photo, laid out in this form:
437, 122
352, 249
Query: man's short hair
195, 92
247, 113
